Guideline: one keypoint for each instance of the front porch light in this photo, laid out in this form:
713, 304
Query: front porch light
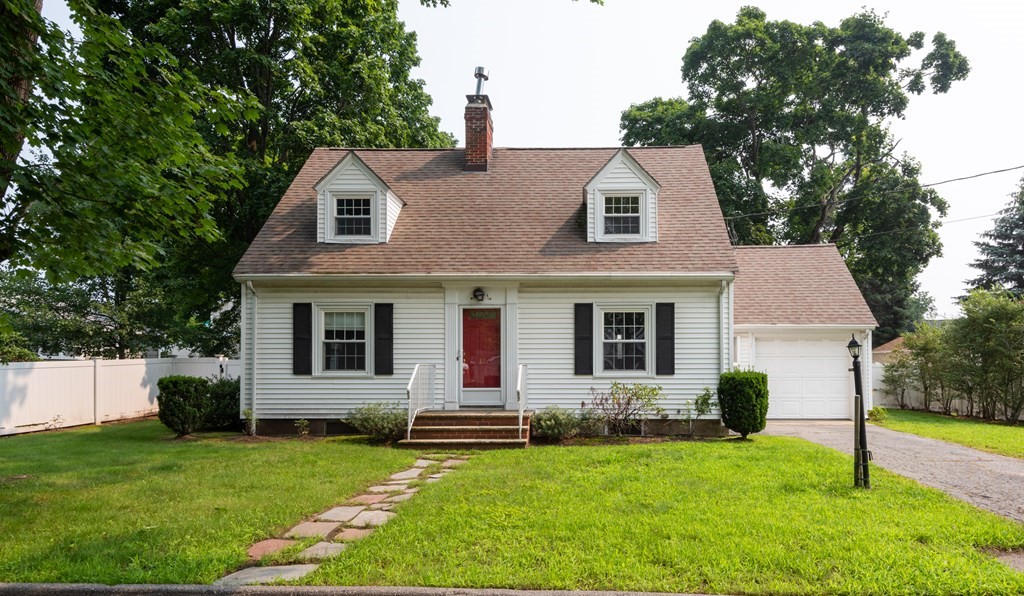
854, 347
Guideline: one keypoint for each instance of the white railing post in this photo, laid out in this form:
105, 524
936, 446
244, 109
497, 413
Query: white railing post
419, 392
521, 388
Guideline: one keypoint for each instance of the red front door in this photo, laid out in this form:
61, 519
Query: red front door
481, 356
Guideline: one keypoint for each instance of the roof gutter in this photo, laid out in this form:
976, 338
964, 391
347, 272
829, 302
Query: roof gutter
439, 277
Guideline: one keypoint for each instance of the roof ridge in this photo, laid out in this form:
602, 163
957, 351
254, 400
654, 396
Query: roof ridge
763, 246
605, 148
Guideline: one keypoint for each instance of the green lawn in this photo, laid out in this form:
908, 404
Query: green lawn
772, 515
994, 437
127, 503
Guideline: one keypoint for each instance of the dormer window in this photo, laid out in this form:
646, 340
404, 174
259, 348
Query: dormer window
622, 215
622, 202
353, 215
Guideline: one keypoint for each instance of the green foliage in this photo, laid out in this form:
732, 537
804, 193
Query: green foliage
315, 73
978, 358
878, 414
898, 377
743, 398
624, 408
589, 423
384, 424
302, 427
120, 315
223, 408
12, 348
117, 164
554, 424
1002, 250
794, 121
249, 422
184, 403
701, 406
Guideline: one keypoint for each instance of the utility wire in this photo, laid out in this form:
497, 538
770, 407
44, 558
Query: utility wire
883, 193
858, 237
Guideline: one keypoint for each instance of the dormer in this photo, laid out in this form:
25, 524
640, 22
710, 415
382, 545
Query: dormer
622, 202
354, 206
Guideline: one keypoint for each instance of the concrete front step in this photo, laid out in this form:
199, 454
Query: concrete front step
471, 418
468, 432
465, 443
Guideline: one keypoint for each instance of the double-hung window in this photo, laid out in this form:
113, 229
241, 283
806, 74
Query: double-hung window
624, 339
622, 216
344, 340
353, 216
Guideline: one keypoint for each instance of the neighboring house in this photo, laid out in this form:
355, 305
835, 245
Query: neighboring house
883, 354
514, 278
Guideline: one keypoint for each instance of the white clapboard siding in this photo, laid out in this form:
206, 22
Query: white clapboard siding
394, 206
247, 347
619, 175
352, 176
418, 339
546, 344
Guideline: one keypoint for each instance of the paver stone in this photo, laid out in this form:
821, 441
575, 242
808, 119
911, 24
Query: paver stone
399, 498
407, 474
312, 529
422, 463
451, 463
340, 514
350, 534
266, 547
323, 550
368, 519
367, 499
390, 488
265, 575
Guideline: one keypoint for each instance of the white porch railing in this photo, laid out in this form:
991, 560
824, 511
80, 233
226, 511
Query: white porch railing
420, 392
521, 381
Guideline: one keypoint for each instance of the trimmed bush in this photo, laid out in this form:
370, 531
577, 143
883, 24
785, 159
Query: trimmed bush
223, 408
382, 424
743, 399
184, 403
878, 414
589, 424
624, 408
554, 424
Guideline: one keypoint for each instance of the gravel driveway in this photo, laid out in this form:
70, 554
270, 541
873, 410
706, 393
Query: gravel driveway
989, 481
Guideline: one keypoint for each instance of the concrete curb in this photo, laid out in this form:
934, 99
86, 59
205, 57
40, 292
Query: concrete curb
202, 590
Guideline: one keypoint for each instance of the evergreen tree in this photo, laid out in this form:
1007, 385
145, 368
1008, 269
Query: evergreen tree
1002, 250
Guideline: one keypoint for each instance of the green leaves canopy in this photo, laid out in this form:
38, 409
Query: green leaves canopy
794, 123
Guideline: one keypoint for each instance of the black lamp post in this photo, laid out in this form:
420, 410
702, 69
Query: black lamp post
861, 455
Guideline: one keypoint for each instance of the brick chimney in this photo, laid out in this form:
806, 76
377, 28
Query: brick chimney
479, 133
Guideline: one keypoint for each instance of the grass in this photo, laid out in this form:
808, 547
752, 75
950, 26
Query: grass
994, 437
772, 515
130, 504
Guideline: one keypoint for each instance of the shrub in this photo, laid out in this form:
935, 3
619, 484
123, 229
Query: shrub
554, 424
12, 349
623, 408
701, 406
877, 414
589, 423
223, 412
743, 399
302, 427
184, 403
382, 424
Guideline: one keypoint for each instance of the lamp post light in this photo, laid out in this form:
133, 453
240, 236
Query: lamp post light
861, 455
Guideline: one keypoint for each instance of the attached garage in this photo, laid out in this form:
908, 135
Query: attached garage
796, 309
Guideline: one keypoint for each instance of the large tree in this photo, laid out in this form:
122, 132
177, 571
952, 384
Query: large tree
115, 163
794, 123
323, 73
1002, 250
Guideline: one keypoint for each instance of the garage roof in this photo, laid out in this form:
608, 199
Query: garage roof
797, 285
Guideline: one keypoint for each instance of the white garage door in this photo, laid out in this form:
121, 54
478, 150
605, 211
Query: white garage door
806, 378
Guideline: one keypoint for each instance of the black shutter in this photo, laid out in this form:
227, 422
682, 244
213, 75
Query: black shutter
665, 338
302, 338
383, 339
584, 339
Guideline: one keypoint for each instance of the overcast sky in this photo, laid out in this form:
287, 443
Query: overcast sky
562, 72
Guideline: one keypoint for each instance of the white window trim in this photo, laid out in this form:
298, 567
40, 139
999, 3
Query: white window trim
318, 345
599, 371
643, 236
331, 214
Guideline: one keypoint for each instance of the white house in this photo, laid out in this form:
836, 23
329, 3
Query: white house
482, 280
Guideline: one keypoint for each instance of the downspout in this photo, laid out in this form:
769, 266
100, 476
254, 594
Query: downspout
732, 329
252, 381
721, 329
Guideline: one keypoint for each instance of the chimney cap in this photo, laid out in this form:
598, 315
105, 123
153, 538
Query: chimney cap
479, 100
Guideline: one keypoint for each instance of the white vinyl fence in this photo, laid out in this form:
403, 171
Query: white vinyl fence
914, 397
59, 393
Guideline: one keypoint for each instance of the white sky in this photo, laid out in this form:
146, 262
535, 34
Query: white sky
562, 72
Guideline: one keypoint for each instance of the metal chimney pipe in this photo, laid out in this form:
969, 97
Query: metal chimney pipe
481, 75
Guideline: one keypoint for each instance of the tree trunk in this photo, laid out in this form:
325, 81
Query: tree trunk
12, 140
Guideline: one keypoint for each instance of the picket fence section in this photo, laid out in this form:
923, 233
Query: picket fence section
61, 393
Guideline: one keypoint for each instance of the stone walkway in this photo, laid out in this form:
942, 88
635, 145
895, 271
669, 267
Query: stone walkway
337, 527
992, 482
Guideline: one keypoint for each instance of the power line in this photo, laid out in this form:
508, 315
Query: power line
883, 193
951, 221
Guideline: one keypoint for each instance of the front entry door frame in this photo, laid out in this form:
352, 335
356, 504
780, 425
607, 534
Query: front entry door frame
459, 295
487, 398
